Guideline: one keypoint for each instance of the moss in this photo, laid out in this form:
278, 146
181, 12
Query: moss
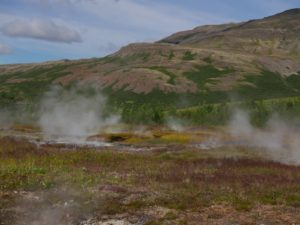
176, 138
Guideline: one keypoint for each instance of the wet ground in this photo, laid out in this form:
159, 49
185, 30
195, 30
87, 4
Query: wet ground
147, 140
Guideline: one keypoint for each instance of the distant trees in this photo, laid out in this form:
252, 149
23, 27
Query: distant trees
210, 114
143, 113
7, 98
259, 111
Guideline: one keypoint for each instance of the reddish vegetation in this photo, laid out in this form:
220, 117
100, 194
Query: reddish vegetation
19, 148
174, 186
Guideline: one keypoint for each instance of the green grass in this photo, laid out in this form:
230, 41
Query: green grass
39, 80
269, 85
294, 81
203, 74
171, 55
126, 60
188, 56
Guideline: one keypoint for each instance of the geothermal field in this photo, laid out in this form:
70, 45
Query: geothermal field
125, 174
139, 112
75, 165
75, 161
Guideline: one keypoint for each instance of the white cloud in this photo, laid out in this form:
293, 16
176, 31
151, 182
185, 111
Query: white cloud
4, 49
41, 29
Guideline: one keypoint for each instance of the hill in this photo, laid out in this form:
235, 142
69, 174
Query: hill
257, 59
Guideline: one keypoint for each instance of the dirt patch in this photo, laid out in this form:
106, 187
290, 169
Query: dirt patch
17, 80
281, 66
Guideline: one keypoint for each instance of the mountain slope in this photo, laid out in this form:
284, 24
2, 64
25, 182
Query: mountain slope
254, 60
275, 35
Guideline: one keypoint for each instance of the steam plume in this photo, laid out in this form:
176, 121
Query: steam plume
280, 139
72, 115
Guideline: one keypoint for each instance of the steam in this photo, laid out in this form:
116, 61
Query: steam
175, 124
72, 115
5, 119
16, 114
280, 139
62, 205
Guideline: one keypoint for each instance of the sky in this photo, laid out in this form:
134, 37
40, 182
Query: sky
44, 30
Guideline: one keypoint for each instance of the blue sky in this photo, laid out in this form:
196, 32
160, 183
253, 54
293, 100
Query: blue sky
42, 30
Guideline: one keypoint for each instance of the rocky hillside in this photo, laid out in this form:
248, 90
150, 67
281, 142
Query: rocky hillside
276, 35
254, 60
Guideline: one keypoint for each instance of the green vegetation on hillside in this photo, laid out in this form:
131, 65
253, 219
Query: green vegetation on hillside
270, 85
172, 76
203, 73
171, 55
126, 60
34, 85
188, 55
294, 81
213, 107
259, 111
